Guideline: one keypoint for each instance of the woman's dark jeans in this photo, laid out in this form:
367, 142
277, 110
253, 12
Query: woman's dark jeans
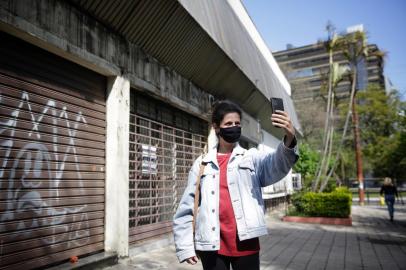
390, 201
213, 261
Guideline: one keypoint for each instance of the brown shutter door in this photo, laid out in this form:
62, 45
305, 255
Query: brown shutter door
52, 134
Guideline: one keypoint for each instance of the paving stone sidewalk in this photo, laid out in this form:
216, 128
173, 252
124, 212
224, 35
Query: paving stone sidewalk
373, 242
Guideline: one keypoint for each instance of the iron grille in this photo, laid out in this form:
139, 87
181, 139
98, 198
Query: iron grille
160, 159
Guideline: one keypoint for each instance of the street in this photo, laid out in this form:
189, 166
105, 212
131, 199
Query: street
373, 242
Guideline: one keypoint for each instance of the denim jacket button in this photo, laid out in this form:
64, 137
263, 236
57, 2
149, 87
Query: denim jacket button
212, 192
214, 176
213, 246
212, 210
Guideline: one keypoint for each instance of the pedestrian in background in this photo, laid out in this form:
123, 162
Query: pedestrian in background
389, 191
229, 179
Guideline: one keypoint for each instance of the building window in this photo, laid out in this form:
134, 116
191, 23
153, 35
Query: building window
307, 72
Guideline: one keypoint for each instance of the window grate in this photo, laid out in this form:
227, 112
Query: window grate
160, 159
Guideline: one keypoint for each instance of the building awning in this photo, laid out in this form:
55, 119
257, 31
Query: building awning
205, 42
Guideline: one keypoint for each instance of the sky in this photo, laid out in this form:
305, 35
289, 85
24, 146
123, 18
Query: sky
303, 22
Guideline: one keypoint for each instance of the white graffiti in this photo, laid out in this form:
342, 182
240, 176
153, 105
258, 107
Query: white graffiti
29, 168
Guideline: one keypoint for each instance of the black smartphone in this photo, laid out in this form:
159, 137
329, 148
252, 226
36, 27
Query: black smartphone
277, 104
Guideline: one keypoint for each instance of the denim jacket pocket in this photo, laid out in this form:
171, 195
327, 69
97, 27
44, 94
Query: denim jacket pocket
204, 219
246, 164
209, 175
247, 173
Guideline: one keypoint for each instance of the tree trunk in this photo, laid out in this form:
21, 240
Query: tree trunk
326, 124
347, 119
330, 150
358, 154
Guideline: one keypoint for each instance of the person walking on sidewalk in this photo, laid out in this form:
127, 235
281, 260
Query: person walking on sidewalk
390, 191
230, 215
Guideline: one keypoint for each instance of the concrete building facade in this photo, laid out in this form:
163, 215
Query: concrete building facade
306, 69
104, 106
307, 64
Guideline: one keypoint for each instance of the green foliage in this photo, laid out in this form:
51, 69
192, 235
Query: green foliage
293, 212
383, 135
296, 200
344, 190
333, 204
307, 163
331, 185
383, 131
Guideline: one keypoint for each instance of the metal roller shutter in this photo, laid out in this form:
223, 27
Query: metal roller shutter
52, 156
164, 142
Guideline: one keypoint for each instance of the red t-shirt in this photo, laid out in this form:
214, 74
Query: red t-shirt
230, 245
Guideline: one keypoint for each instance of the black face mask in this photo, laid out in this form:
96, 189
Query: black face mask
231, 134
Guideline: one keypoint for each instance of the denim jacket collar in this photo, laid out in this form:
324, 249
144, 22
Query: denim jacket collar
211, 156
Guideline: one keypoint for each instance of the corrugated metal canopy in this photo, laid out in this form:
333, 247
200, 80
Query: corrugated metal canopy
168, 32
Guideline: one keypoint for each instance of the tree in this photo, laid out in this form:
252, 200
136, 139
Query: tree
355, 49
335, 76
384, 131
307, 163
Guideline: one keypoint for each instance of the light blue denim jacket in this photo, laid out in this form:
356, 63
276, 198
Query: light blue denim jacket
247, 172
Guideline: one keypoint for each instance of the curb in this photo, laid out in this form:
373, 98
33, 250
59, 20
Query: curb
95, 261
319, 220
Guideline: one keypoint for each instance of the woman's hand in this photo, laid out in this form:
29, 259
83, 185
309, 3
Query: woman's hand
281, 119
192, 260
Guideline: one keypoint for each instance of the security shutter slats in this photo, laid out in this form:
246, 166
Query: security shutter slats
48, 232
12, 154
149, 233
61, 149
66, 183
13, 94
33, 254
46, 117
54, 211
42, 223
67, 201
53, 257
49, 193
48, 70
58, 133
82, 139
52, 157
38, 242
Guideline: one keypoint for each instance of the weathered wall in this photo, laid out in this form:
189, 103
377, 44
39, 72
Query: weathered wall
64, 30
251, 129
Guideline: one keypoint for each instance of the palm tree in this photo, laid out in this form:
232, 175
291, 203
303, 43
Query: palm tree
354, 48
359, 39
335, 75
338, 72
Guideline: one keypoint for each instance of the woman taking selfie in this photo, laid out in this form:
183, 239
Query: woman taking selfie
230, 215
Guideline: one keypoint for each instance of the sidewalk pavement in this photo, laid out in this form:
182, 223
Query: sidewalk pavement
373, 242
